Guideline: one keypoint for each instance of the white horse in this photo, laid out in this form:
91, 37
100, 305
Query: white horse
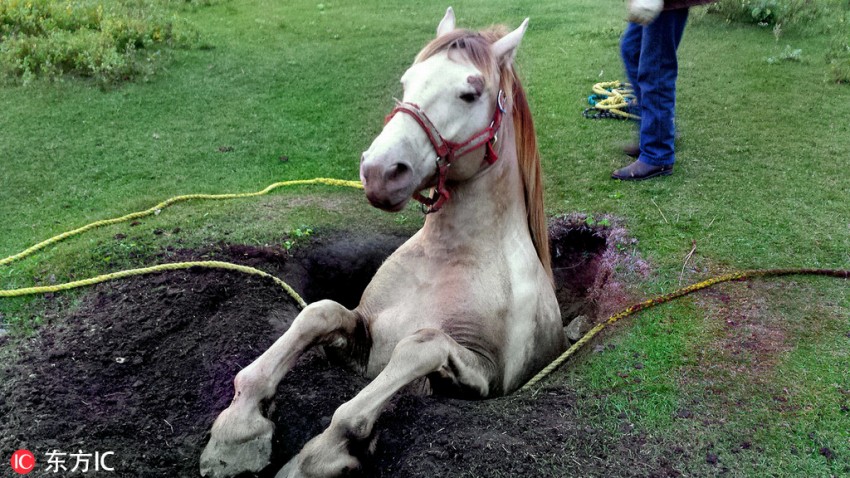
467, 304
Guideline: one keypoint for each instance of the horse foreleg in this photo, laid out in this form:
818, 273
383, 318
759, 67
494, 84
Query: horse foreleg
427, 352
240, 439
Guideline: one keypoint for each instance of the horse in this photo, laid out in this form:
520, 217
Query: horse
467, 305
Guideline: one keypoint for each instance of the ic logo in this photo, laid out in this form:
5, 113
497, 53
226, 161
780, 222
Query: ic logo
23, 462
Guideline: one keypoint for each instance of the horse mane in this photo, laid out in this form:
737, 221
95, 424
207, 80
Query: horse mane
475, 48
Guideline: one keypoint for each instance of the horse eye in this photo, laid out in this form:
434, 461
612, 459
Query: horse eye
468, 97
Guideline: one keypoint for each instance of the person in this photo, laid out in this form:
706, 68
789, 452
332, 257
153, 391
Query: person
648, 48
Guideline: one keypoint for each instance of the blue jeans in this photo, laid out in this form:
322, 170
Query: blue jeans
649, 54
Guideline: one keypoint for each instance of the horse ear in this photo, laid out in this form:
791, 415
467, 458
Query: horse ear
505, 48
447, 24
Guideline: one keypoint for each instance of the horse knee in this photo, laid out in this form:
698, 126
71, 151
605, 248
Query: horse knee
323, 311
320, 318
352, 424
426, 350
433, 353
248, 384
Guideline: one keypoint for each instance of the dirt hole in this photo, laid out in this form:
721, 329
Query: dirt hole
142, 367
339, 267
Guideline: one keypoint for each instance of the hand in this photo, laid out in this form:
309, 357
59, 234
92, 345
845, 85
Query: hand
644, 11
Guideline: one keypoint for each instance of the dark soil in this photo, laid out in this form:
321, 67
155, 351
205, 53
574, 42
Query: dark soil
142, 367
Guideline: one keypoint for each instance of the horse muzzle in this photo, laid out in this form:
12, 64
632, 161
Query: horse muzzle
388, 184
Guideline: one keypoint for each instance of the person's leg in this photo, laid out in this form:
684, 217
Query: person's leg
630, 53
630, 45
656, 77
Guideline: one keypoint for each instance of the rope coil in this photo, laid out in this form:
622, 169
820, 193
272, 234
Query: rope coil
613, 100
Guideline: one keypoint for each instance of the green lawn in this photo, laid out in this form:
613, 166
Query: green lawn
293, 90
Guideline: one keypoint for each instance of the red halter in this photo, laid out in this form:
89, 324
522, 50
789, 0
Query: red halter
448, 151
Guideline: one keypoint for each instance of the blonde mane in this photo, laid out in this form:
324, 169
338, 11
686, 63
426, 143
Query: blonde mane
475, 48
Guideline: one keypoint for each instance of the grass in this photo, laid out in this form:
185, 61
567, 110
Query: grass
106, 41
298, 91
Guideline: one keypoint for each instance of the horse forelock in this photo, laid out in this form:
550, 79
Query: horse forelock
475, 48
470, 46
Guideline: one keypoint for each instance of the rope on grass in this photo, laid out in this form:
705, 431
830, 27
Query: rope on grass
159, 207
152, 270
611, 99
744, 275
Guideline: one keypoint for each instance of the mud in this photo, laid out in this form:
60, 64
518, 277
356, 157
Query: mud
142, 367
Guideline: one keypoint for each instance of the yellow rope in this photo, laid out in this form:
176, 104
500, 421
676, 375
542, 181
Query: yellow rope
151, 270
159, 207
668, 297
617, 95
599, 88
615, 88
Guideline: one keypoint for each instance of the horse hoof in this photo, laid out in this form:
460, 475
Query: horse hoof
232, 451
222, 459
321, 457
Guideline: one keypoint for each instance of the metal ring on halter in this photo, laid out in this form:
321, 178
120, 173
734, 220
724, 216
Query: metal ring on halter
499, 102
501, 105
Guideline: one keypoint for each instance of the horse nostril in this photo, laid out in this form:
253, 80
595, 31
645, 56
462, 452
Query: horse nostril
397, 171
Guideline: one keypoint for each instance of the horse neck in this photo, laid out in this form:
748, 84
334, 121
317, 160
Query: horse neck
489, 205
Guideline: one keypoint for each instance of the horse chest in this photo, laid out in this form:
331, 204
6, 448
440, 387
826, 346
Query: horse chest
411, 292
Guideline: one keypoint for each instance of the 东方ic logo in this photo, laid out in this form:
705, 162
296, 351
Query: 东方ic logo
23, 462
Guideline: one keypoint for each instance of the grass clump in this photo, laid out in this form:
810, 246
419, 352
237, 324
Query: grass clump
771, 12
788, 54
108, 41
827, 18
838, 56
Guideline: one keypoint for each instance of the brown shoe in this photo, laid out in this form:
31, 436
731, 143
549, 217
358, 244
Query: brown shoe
631, 149
639, 170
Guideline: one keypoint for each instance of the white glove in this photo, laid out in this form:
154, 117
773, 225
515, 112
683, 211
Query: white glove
644, 11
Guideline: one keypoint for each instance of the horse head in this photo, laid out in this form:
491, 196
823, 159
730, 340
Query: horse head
452, 103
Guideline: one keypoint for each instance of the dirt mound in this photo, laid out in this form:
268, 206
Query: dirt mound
141, 368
